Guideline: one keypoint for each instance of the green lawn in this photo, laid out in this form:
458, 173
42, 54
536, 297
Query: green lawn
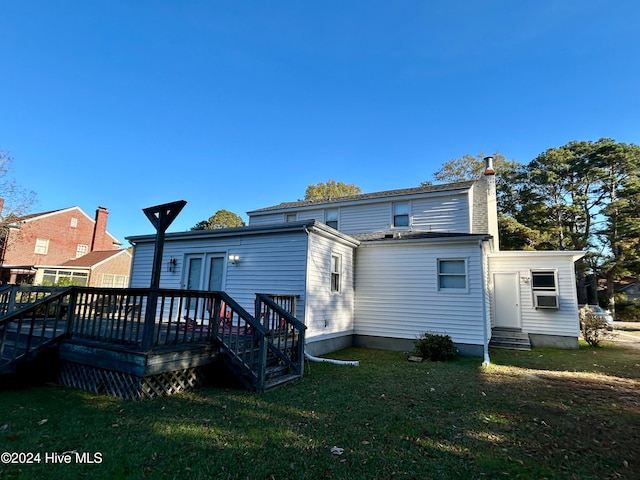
540, 414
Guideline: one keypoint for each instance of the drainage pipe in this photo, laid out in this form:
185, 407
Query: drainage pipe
485, 319
352, 363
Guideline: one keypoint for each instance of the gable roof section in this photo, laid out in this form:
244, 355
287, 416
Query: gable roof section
299, 226
93, 259
405, 192
37, 216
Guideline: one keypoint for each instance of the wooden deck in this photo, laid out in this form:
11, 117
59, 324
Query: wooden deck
106, 344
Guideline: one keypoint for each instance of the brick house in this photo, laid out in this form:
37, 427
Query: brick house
105, 268
51, 239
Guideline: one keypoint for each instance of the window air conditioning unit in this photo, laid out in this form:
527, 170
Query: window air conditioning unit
545, 300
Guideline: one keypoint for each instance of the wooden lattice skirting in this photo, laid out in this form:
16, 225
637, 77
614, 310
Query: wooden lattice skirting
128, 386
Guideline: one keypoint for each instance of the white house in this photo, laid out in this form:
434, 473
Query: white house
379, 269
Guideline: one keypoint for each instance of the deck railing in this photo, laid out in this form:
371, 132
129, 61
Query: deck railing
286, 344
117, 316
15, 297
25, 331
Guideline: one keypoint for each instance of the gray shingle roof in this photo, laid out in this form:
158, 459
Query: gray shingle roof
368, 196
413, 235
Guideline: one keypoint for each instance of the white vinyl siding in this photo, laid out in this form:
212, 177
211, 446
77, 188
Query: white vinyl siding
311, 215
364, 218
398, 296
266, 219
428, 212
448, 213
562, 321
269, 263
329, 315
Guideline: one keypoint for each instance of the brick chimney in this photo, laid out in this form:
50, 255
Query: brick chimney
492, 202
100, 241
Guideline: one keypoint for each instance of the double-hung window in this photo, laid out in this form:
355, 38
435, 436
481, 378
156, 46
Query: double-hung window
42, 246
336, 273
331, 218
401, 214
452, 274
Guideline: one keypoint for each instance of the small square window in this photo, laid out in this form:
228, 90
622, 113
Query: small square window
452, 274
400, 214
336, 269
290, 217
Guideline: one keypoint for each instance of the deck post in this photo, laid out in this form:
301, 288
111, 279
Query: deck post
161, 217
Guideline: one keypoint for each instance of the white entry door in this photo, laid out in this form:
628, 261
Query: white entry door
506, 300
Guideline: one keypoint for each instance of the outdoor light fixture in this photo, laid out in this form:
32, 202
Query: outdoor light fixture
235, 259
171, 264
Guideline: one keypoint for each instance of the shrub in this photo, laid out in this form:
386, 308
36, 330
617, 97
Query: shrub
435, 347
594, 328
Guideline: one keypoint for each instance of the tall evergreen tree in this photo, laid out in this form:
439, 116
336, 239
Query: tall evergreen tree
581, 196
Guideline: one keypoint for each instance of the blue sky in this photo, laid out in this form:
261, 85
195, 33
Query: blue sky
240, 105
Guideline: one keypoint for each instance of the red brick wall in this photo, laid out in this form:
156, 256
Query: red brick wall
63, 239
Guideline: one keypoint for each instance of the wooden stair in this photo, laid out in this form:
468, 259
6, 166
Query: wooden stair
19, 348
276, 374
511, 339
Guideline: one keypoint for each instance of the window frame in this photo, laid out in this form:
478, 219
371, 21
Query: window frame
546, 272
543, 290
440, 275
395, 216
290, 217
113, 280
335, 273
330, 222
42, 246
78, 278
81, 250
